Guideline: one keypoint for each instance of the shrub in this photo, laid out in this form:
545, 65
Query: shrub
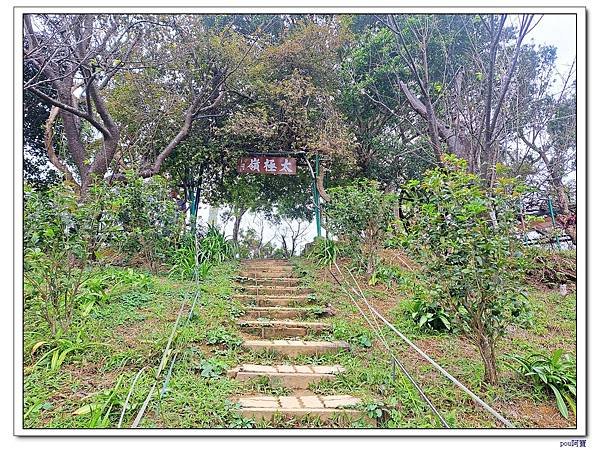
361, 214
429, 314
60, 236
214, 247
149, 221
555, 373
184, 263
64, 234
324, 252
462, 234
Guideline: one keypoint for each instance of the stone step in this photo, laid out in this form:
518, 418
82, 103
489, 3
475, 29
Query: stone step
269, 265
269, 300
277, 312
295, 347
265, 262
282, 328
288, 282
268, 275
325, 407
290, 376
264, 271
275, 290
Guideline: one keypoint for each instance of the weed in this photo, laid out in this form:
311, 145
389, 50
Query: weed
222, 335
60, 349
212, 368
428, 314
386, 275
134, 299
555, 372
265, 385
99, 411
324, 252
353, 333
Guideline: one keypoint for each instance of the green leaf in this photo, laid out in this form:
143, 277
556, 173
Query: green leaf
445, 321
562, 407
37, 345
571, 402
87, 409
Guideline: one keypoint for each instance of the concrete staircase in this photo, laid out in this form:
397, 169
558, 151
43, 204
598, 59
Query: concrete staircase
276, 311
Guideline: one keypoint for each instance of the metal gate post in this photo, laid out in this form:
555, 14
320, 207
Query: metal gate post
316, 197
551, 209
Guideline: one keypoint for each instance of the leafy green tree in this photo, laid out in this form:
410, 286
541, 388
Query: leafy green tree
464, 236
544, 118
390, 147
361, 214
295, 89
150, 224
127, 89
58, 235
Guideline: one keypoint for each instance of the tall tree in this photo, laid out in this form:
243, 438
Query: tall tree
544, 120
80, 58
37, 169
458, 72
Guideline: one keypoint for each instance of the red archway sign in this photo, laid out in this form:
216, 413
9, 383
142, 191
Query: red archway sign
270, 165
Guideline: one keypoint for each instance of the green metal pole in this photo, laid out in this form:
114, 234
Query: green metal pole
553, 220
316, 197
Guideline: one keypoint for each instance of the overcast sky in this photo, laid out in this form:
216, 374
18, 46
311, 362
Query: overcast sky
557, 30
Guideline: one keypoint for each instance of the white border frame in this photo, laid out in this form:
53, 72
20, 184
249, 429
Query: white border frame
581, 327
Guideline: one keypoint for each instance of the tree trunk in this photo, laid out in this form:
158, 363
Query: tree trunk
236, 224
321, 186
487, 351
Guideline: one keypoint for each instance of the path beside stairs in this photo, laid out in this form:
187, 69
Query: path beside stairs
276, 311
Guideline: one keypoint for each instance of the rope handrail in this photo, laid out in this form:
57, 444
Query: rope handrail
444, 372
396, 361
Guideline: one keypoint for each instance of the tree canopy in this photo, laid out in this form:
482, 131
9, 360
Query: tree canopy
376, 97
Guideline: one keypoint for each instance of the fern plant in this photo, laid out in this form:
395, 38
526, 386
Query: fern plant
555, 372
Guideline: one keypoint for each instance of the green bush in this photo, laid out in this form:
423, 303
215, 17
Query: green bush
555, 373
428, 314
324, 252
360, 214
184, 263
150, 224
214, 247
462, 233
61, 234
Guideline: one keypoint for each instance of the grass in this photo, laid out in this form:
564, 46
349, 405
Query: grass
133, 327
553, 326
130, 328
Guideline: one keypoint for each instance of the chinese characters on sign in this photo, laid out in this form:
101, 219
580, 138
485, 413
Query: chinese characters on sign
276, 165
